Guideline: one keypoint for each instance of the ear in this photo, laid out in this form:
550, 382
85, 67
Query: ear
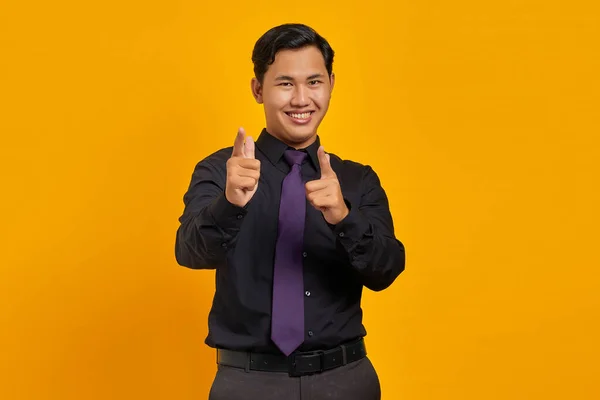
331, 81
256, 88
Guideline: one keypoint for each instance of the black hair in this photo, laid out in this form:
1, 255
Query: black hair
287, 36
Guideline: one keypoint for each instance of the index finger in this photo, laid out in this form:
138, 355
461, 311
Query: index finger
238, 145
324, 163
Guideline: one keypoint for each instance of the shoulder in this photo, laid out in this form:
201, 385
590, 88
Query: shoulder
213, 166
218, 157
359, 182
350, 168
354, 176
215, 162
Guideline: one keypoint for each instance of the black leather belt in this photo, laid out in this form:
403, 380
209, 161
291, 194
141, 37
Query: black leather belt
297, 364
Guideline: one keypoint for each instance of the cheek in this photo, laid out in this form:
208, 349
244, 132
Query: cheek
276, 99
321, 98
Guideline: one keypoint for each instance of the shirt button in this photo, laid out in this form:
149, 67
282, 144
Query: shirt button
307, 293
240, 216
341, 234
310, 333
305, 254
223, 244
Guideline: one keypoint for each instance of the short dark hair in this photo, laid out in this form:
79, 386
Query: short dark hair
287, 36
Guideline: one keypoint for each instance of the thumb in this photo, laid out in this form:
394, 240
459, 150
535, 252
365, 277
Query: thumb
324, 163
249, 147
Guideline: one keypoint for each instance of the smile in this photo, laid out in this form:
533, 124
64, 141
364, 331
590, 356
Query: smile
300, 118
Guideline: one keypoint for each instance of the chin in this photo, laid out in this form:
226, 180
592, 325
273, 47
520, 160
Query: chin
295, 133
301, 132
300, 135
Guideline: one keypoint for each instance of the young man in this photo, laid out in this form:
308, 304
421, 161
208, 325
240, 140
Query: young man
294, 234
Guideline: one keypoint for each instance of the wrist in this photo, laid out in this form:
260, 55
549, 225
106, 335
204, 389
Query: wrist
340, 215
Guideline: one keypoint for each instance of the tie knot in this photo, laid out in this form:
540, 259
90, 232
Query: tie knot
294, 157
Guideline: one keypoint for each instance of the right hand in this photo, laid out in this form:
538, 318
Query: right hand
243, 171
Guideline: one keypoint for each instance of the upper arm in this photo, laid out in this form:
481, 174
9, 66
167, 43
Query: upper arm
374, 202
207, 183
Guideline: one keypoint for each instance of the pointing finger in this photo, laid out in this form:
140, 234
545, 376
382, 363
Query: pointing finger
249, 147
324, 163
238, 145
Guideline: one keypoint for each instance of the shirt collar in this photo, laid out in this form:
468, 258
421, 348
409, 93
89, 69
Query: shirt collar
274, 148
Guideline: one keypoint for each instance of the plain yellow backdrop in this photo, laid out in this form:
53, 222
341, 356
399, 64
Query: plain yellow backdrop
481, 119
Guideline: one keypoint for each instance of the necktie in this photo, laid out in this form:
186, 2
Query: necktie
287, 319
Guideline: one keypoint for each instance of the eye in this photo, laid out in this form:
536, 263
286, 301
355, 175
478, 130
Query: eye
285, 84
314, 82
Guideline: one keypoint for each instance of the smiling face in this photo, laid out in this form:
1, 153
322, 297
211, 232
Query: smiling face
295, 92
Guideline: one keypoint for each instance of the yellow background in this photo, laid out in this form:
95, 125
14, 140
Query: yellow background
481, 119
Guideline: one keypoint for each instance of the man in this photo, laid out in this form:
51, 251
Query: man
294, 234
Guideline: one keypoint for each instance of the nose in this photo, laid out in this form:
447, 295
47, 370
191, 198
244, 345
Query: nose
300, 97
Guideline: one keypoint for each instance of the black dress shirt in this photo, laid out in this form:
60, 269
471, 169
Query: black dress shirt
239, 243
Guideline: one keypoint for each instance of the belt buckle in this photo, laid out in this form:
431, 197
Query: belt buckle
292, 364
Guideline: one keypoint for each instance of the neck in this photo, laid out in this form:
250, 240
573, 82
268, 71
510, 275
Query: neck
304, 144
301, 144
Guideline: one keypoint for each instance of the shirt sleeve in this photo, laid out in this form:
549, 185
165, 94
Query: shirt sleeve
209, 223
367, 236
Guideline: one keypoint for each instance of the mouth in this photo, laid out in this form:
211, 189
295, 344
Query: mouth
300, 118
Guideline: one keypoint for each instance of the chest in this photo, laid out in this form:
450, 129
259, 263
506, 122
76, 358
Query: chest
261, 225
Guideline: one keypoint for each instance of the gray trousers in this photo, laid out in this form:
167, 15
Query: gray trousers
354, 381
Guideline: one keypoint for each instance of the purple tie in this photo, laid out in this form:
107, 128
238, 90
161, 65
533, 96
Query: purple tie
287, 324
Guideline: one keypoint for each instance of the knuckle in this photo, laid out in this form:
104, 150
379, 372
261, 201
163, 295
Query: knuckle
232, 162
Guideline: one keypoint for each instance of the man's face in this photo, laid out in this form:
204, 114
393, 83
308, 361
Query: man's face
295, 92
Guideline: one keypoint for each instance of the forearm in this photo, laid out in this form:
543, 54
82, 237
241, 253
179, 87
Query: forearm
210, 223
204, 237
375, 254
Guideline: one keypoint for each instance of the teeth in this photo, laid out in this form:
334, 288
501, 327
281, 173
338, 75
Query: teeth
300, 116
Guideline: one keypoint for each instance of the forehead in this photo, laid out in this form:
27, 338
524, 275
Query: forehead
297, 63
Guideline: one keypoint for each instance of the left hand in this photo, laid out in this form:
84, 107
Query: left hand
325, 194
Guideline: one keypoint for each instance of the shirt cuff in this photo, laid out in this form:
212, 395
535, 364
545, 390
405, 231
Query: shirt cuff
226, 215
353, 228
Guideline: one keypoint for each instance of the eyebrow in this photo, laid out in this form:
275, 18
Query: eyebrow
289, 78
